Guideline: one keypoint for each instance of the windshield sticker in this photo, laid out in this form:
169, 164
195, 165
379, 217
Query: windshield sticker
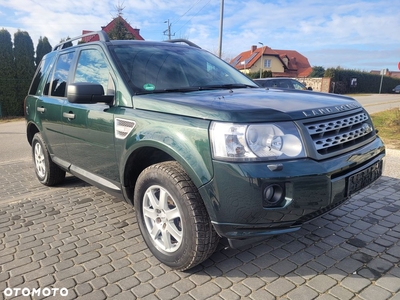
149, 87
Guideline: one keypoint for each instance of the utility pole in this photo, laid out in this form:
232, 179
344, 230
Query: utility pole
168, 31
383, 72
221, 24
262, 59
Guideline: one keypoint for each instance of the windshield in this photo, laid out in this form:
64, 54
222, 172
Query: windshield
164, 67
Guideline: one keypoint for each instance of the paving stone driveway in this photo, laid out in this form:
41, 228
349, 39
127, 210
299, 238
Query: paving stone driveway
77, 238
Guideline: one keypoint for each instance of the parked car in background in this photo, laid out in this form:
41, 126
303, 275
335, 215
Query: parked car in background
281, 83
397, 89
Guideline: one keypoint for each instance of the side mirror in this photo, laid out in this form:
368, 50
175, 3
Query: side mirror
87, 93
309, 88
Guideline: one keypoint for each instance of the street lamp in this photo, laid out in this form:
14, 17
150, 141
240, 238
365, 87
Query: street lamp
221, 25
262, 58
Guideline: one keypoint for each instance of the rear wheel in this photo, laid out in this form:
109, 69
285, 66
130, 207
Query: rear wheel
172, 217
46, 170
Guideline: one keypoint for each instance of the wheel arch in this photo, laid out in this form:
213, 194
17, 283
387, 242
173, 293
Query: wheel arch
152, 153
31, 130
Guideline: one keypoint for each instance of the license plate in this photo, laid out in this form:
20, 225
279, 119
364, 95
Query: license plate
364, 178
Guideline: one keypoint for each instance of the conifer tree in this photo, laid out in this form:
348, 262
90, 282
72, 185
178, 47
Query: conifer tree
24, 67
66, 45
7, 74
119, 31
43, 47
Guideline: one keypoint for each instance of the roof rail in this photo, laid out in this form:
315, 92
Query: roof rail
183, 41
102, 37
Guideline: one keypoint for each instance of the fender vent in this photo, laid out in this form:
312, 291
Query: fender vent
123, 128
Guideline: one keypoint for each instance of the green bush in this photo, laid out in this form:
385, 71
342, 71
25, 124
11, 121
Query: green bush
366, 82
255, 75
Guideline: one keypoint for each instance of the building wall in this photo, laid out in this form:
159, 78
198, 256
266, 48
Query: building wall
317, 84
276, 65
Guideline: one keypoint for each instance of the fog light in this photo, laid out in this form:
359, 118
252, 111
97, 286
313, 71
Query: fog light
274, 194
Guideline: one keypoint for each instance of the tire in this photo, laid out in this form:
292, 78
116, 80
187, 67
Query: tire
47, 172
172, 217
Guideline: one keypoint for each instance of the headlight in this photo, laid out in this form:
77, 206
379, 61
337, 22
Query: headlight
256, 142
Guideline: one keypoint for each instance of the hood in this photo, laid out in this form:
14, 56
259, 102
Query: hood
246, 105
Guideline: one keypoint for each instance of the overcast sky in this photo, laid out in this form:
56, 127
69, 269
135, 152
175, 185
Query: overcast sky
359, 34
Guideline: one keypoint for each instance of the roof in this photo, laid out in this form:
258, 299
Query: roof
109, 27
394, 74
294, 63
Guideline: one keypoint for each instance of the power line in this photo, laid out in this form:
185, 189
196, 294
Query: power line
175, 21
194, 15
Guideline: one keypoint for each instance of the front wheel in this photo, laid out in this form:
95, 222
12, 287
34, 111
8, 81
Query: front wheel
46, 170
172, 217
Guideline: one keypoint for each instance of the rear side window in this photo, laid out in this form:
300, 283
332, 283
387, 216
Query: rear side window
60, 77
42, 72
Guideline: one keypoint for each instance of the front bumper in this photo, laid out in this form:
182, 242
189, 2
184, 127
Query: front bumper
235, 198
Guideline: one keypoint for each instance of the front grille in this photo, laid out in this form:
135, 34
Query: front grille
331, 136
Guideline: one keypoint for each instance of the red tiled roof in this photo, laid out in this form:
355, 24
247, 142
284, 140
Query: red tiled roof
297, 65
109, 27
394, 74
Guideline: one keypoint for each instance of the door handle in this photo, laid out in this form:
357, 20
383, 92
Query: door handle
69, 115
41, 109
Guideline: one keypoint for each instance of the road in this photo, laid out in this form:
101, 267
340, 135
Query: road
375, 103
14, 145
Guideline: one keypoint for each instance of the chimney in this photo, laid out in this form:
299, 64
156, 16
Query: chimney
253, 48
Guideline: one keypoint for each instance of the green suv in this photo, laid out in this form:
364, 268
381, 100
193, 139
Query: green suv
198, 148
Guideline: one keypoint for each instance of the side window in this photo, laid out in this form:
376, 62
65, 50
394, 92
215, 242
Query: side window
41, 72
92, 67
60, 77
297, 85
268, 83
36, 80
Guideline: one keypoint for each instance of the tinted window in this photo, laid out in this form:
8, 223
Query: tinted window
60, 77
284, 84
298, 85
265, 83
92, 67
41, 73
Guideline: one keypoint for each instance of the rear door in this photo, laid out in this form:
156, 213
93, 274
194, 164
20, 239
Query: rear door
49, 107
89, 128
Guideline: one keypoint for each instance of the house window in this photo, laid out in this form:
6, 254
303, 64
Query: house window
267, 63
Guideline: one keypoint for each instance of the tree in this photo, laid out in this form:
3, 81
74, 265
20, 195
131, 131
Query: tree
24, 67
119, 31
66, 45
317, 72
7, 74
43, 47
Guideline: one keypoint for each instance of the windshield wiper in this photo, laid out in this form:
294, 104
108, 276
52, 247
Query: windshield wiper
229, 86
174, 90
198, 88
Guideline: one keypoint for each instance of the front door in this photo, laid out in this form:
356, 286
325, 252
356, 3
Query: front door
89, 128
